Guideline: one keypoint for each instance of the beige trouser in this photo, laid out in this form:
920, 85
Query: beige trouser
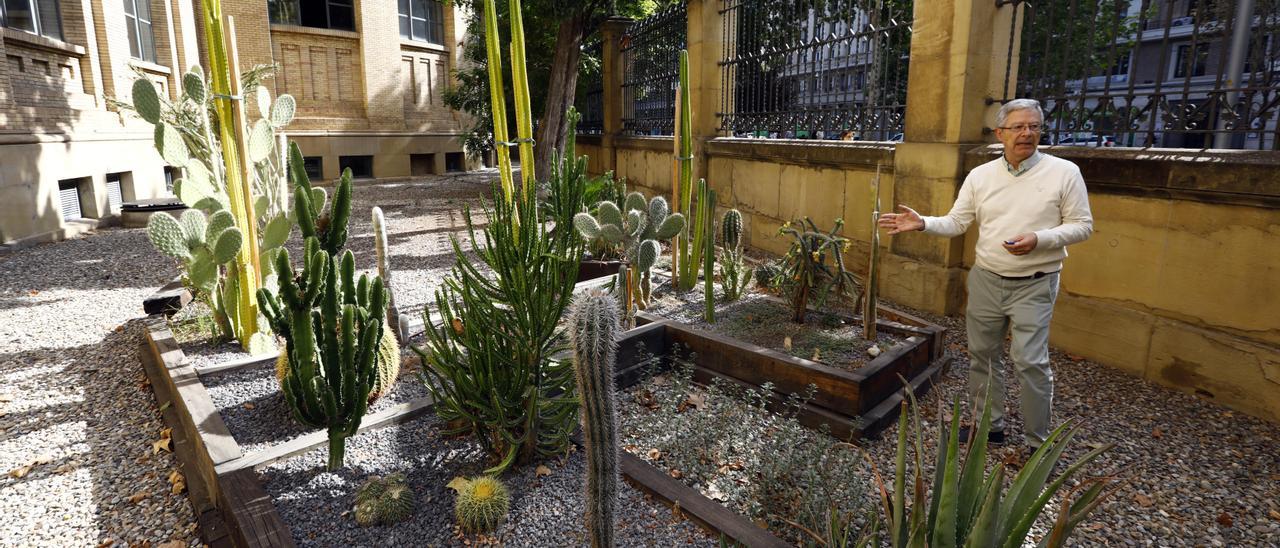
1023, 307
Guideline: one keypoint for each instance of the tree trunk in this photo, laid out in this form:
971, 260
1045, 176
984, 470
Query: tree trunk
562, 86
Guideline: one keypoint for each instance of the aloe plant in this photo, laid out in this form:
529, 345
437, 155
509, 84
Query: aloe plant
967, 506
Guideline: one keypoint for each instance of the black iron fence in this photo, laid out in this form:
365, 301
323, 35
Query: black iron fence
827, 69
650, 63
590, 99
1163, 73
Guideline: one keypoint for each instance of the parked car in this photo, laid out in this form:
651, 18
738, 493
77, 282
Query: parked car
1087, 140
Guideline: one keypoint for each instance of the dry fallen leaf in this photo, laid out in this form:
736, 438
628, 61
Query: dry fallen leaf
1157, 433
457, 326
541, 470
20, 471
137, 497
178, 487
817, 355
44, 458
106, 543
161, 444
171, 544
1075, 357
675, 511
178, 482
661, 380
786, 342
249, 405
1274, 515
1224, 519
697, 401
458, 483
645, 397
654, 454
1143, 500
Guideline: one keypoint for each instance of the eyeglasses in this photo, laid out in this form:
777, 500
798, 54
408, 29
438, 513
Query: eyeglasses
1034, 128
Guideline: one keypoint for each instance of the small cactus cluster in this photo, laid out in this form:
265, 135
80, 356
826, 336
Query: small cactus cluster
388, 364
636, 228
383, 501
593, 334
734, 276
482, 504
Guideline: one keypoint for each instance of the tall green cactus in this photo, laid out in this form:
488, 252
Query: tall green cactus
692, 245
329, 228
733, 273
706, 210
333, 351
593, 333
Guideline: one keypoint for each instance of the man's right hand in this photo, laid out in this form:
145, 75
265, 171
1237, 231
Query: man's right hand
906, 221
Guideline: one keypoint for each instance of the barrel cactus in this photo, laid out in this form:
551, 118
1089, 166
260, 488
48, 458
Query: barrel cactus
482, 503
384, 501
388, 364
734, 275
593, 334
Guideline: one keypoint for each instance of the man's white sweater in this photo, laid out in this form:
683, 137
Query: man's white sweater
1049, 199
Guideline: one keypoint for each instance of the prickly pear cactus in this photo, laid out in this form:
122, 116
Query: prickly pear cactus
482, 503
384, 501
636, 229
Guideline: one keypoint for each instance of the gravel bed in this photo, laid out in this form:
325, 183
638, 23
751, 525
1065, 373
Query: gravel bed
253, 408
545, 510
756, 319
76, 413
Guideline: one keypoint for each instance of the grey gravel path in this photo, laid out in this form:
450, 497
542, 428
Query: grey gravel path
74, 401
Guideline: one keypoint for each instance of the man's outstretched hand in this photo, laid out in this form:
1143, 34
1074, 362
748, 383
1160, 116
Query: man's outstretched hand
906, 221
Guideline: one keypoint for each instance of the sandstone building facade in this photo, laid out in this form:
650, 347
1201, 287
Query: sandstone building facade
368, 75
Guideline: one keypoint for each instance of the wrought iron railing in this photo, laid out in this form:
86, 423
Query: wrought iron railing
650, 63
590, 99
832, 69
1162, 73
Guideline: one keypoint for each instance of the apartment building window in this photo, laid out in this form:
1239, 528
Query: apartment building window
142, 42
1197, 65
324, 14
422, 20
34, 16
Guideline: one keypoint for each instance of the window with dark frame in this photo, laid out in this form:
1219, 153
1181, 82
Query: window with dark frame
35, 16
422, 20
142, 42
361, 166
1181, 63
314, 166
323, 14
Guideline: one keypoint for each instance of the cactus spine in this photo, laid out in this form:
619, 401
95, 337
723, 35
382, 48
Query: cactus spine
384, 501
593, 334
733, 274
482, 503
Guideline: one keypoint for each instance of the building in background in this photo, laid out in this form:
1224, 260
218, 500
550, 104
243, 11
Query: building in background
368, 78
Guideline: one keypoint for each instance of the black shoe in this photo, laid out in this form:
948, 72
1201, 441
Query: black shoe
994, 437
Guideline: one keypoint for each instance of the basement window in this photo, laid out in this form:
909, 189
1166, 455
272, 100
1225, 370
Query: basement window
361, 166
422, 164
69, 198
455, 161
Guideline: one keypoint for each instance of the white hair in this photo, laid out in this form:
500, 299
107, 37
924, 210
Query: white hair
1018, 104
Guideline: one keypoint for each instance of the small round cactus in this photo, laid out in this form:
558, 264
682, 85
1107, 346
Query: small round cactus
388, 364
383, 501
731, 226
482, 503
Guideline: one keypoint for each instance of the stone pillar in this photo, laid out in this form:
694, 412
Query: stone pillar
705, 43
611, 76
379, 31
954, 70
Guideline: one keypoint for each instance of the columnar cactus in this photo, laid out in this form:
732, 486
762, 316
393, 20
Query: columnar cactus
733, 274
482, 503
384, 268
388, 364
637, 231
333, 357
593, 334
706, 210
384, 501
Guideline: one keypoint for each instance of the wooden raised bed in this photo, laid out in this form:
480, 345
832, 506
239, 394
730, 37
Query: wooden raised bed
852, 403
229, 501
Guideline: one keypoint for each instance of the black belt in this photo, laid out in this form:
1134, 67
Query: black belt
1035, 276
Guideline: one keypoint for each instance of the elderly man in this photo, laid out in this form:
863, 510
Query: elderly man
1029, 206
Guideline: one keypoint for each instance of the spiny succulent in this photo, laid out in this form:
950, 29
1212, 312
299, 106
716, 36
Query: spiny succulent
388, 364
384, 501
482, 503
